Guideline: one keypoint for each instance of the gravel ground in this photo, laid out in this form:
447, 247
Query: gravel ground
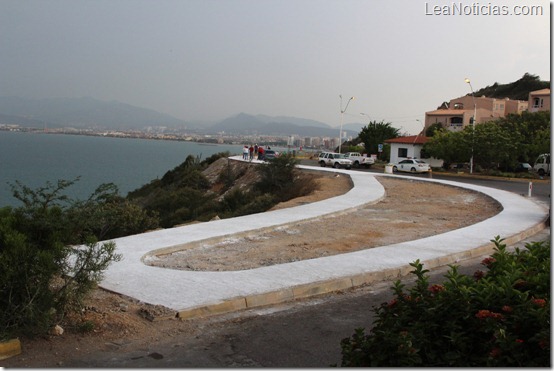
411, 210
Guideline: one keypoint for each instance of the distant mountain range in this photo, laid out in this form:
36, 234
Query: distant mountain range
246, 124
88, 112
81, 113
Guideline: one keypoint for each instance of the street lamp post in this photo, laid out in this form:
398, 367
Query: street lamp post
472, 124
422, 131
341, 118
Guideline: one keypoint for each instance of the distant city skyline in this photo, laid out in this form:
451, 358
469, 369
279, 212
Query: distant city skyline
206, 60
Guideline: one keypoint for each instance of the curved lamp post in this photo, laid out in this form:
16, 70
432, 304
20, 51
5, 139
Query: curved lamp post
472, 125
341, 118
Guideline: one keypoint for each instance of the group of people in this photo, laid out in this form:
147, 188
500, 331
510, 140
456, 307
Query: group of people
254, 151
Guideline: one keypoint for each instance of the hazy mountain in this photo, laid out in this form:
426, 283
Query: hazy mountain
293, 120
84, 112
92, 113
245, 124
23, 121
357, 127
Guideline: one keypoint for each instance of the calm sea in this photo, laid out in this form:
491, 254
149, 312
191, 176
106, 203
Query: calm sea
35, 158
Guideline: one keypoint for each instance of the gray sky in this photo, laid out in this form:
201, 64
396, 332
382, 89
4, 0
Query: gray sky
210, 59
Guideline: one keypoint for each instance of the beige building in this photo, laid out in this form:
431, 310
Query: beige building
460, 111
539, 100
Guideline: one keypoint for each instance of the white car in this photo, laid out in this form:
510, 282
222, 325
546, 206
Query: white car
412, 166
336, 160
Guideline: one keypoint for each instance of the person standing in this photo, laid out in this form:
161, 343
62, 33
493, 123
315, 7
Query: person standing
256, 149
251, 151
260, 153
245, 153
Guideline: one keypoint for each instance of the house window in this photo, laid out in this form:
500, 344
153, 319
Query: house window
458, 106
402, 152
537, 102
456, 120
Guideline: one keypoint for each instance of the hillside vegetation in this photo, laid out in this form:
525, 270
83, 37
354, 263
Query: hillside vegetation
221, 188
517, 90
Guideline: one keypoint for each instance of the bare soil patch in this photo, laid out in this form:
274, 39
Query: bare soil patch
411, 210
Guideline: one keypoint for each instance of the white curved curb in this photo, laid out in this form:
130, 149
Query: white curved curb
189, 291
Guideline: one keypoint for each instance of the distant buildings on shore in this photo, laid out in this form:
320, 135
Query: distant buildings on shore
290, 141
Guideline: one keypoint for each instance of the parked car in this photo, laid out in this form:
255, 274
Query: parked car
336, 160
270, 154
523, 167
412, 166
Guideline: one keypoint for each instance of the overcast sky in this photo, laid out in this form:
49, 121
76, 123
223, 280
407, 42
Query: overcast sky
210, 59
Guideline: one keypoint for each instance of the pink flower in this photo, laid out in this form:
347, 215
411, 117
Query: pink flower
488, 261
539, 302
484, 313
507, 309
436, 288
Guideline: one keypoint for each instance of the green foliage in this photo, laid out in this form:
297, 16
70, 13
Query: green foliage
85, 327
179, 196
376, 133
277, 174
184, 195
42, 274
279, 178
496, 144
216, 156
499, 318
433, 129
448, 146
532, 131
517, 90
237, 203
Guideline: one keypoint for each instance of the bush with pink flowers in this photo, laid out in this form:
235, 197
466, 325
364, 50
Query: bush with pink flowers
497, 317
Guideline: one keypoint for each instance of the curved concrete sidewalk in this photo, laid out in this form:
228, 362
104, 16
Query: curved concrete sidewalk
193, 294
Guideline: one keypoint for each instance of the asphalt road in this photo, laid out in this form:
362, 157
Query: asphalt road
305, 333
541, 189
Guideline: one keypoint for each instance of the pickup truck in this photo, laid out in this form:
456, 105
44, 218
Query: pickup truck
359, 160
335, 160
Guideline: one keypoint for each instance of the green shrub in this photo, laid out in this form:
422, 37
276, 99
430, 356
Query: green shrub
43, 275
281, 178
496, 318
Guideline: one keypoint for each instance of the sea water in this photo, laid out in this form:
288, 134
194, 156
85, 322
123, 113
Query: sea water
37, 158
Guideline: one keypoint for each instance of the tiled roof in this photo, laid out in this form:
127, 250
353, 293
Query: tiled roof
540, 92
449, 112
412, 139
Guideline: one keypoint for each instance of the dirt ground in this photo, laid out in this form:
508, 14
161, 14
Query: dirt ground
404, 215
410, 210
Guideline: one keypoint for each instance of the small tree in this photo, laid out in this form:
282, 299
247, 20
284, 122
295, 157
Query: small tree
376, 133
278, 175
42, 275
433, 129
451, 147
